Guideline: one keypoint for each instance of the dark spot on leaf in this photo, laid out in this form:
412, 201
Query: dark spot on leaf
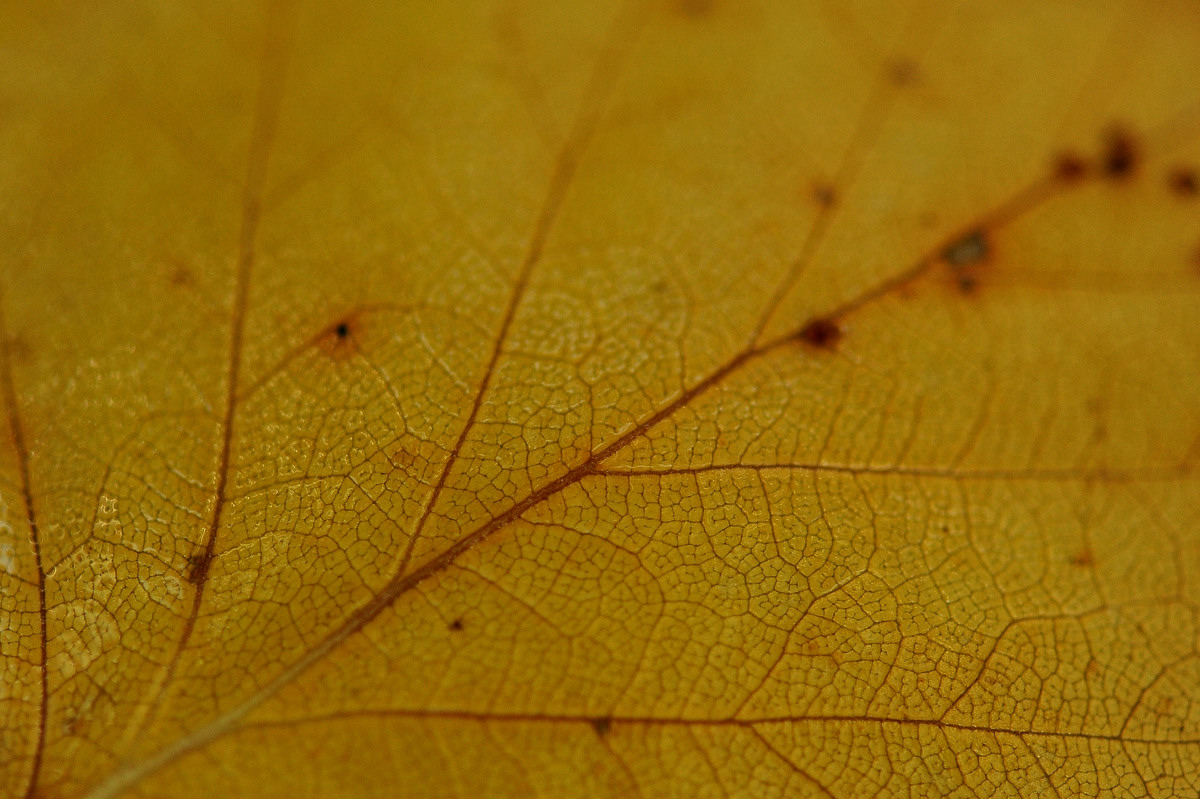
965, 256
1183, 182
1070, 168
825, 195
198, 566
970, 249
340, 340
967, 282
182, 276
1120, 154
456, 625
821, 333
902, 72
1082, 559
602, 725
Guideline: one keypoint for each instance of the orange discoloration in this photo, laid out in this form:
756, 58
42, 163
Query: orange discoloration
1083, 559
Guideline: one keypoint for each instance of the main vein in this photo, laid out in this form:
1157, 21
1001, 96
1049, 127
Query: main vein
266, 115
591, 108
17, 433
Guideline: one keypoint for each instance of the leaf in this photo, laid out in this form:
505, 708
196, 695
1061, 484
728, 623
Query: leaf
690, 398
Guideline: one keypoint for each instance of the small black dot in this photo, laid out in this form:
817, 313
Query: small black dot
342, 330
456, 625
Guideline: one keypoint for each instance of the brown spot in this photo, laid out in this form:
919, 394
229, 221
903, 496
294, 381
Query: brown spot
821, 333
602, 724
1069, 167
967, 281
825, 195
198, 566
338, 340
1083, 559
456, 625
694, 9
1092, 669
902, 72
182, 277
1183, 182
1120, 154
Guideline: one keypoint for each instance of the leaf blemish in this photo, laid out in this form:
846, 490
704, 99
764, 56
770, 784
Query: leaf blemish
1120, 154
1082, 559
1183, 182
1069, 167
338, 340
182, 277
602, 725
456, 625
965, 256
821, 333
198, 566
825, 195
971, 249
902, 72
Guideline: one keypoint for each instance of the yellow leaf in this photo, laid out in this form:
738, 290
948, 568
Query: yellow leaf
671, 398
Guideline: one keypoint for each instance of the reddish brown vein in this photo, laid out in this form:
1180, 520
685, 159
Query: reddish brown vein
595, 96
1022, 202
1018, 205
270, 95
1102, 475
661, 721
17, 433
870, 122
404, 581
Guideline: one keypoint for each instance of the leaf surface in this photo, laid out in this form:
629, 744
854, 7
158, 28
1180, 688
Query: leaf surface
689, 398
